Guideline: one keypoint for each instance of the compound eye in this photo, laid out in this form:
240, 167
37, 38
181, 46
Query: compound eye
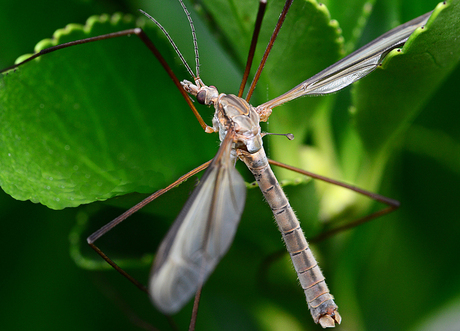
201, 97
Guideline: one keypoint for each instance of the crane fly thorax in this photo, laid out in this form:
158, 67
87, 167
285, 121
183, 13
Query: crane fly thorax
235, 112
231, 113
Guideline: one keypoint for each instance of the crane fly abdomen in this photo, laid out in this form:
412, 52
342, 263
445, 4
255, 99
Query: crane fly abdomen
320, 302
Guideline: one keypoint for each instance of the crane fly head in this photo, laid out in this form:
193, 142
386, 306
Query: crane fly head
206, 95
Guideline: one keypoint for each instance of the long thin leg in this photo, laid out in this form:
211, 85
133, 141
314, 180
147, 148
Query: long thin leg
196, 303
146, 40
283, 14
252, 48
392, 204
109, 226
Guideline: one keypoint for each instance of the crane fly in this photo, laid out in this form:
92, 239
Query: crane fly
205, 228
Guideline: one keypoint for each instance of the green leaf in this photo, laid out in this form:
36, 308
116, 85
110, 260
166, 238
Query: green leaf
383, 112
426, 59
352, 19
89, 122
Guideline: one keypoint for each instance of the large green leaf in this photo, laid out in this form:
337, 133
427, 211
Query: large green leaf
418, 69
89, 123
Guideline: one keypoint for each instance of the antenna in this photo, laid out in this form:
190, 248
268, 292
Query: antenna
171, 42
195, 41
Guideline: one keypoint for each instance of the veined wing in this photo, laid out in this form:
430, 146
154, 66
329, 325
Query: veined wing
201, 234
352, 67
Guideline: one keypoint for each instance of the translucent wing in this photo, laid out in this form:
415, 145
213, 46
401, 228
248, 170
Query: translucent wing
201, 234
352, 67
